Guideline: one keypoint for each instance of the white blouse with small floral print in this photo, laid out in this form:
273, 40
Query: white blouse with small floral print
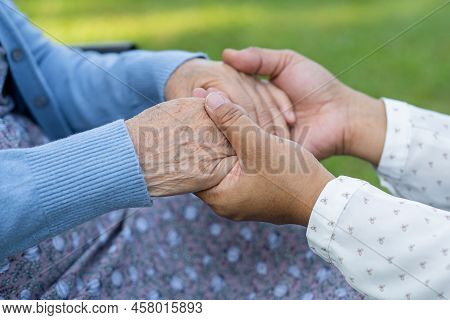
385, 246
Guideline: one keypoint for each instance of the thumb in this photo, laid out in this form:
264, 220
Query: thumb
258, 60
241, 131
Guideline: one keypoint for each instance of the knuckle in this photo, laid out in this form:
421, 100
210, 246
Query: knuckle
229, 115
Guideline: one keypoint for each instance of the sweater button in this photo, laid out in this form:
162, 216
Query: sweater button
40, 101
17, 54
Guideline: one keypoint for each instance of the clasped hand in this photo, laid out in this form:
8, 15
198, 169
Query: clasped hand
180, 149
240, 160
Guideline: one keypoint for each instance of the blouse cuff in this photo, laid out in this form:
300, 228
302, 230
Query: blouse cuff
397, 143
329, 207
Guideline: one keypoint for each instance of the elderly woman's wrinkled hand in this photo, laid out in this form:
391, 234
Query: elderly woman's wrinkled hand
180, 150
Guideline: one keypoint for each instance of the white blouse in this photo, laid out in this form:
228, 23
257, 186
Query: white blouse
388, 247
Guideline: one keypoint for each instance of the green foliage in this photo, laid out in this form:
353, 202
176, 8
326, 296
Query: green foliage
336, 33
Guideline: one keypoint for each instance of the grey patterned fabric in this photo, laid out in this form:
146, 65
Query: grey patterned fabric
16, 130
6, 103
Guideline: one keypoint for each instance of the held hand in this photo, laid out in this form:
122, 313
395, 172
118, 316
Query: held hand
331, 118
274, 180
180, 150
263, 100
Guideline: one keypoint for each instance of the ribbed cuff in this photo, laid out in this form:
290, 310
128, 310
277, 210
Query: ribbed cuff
88, 174
397, 142
329, 207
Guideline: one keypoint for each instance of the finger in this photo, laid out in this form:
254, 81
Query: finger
258, 60
250, 103
232, 120
283, 103
212, 89
279, 126
263, 117
199, 93
232, 168
240, 97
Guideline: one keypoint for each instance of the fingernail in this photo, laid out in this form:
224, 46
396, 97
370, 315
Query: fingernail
214, 100
199, 93
292, 115
289, 115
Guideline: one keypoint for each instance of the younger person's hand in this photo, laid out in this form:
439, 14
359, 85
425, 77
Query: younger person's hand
274, 180
330, 117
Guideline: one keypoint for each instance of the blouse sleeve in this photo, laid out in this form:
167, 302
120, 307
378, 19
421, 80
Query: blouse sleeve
386, 247
416, 158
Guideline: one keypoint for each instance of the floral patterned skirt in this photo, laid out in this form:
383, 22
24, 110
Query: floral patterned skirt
178, 249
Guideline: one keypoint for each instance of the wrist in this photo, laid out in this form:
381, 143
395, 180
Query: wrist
366, 127
156, 178
313, 182
133, 130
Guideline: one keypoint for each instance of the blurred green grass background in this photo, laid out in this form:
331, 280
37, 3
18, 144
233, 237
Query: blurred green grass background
336, 33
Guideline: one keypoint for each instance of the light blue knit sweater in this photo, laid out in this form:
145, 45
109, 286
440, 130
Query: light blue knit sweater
48, 189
